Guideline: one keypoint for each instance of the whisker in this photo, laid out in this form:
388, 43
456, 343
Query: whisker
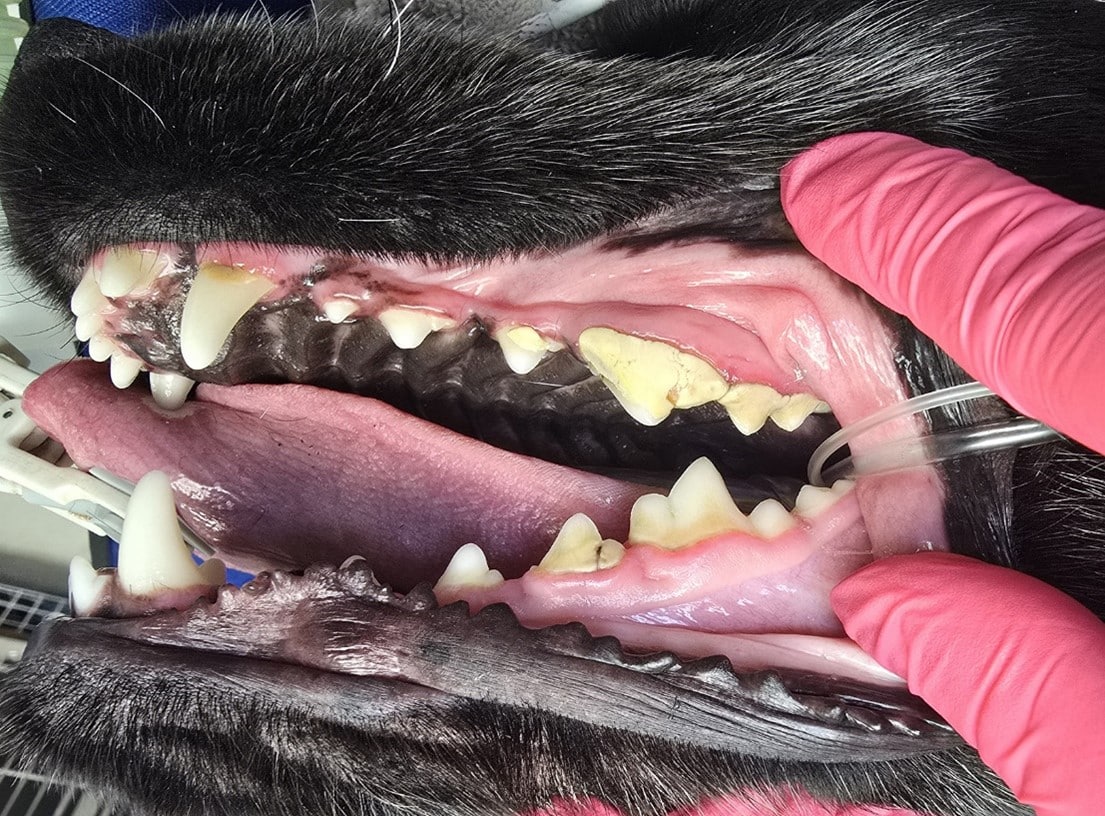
148, 106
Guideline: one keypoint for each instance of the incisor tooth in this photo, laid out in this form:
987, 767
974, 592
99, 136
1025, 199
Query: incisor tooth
170, 390
87, 297
468, 568
649, 378
124, 370
409, 327
100, 347
124, 269
698, 507
580, 548
152, 554
86, 586
769, 519
750, 404
812, 501
798, 407
88, 325
219, 296
339, 310
523, 347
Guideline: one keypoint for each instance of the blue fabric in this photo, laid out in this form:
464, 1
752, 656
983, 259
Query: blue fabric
128, 17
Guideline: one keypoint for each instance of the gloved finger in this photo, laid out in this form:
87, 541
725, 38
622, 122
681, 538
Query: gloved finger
1014, 665
1008, 278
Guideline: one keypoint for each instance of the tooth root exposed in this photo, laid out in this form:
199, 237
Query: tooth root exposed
339, 310
770, 519
170, 390
123, 270
100, 347
698, 507
219, 296
750, 404
468, 568
124, 370
797, 409
409, 327
86, 587
580, 548
152, 554
812, 501
523, 347
649, 378
87, 297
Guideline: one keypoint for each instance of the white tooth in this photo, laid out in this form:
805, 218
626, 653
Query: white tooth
649, 378
523, 348
86, 297
124, 269
842, 487
219, 296
798, 407
750, 404
152, 554
124, 370
86, 587
468, 568
100, 347
409, 327
339, 310
580, 548
88, 325
770, 519
170, 390
812, 501
698, 507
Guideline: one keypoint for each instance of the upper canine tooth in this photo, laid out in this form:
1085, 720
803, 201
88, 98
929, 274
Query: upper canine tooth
170, 390
152, 554
769, 518
523, 348
649, 378
813, 501
409, 327
698, 507
750, 404
123, 270
580, 548
468, 568
219, 296
339, 310
798, 407
87, 297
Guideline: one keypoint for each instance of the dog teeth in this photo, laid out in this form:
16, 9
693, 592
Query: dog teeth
770, 519
523, 347
647, 377
124, 270
580, 548
170, 390
152, 554
338, 310
87, 297
750, 404
100, 347
409, 327
124, 370
219, 297
797, 409
86, 587
468, 568
813, 501
698, 507
88, 325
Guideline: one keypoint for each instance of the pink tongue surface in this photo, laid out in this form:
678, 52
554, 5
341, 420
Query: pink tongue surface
285, 476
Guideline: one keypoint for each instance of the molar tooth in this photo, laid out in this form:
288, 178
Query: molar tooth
523, 347
649, 378
170, 390
580, 548
770, 519
812, 501
338, 310
124, 269
219, 296
88, 325
100, 347
468, 568
750, 404
86, 586
87, 297
409, 327
152, 554
124, 370
798, 407
698, 507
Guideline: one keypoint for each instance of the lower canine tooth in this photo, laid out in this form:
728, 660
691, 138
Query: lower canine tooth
750, 404
170, 390
468, 568
649, 378
219, 296
124, 370
580, 548
409, 327
770, 519
123, 270
698, 507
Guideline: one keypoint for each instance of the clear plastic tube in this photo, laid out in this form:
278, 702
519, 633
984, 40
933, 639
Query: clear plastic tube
1016, 432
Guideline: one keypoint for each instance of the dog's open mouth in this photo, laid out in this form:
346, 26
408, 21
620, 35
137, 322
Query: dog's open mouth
544, 418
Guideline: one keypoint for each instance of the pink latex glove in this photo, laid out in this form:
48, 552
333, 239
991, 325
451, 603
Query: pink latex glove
1008, 278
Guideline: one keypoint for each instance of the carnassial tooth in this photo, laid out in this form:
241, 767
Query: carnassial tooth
523, 348
100, 347
86, 586
170, 390
87, 297
152, 554
468, 568
812, 501
409, 327
124, 370
338, 310
798, 407
219, 296
580, 548
770, 519
698, 507
88, 325
649, 378
124, 269
750, 404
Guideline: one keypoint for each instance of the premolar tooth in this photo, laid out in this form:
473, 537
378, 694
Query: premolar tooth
798, 407
100, 347
170, 390
124, 370
812, 501
523, 348
468, 568
580, 548
339, 310
219, 296
87, 297
770, 519
152, 554
124, 269
86, 587
750, 404
88, 325
698, 507
409, 327
649, 378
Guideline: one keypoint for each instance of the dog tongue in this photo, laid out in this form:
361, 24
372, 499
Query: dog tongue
289, 475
